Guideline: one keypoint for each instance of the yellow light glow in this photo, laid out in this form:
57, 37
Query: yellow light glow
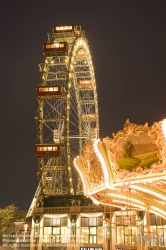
163, 125
157, 211
81, 176
55, 216
102, 161
148, 191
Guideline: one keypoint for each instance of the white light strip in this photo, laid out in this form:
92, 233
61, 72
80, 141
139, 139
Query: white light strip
143, 180
148, 191
97, 190
94, 200
163, 125
157, 211
81, 175
132, 204
128, 199
91, 214
102, 161
55, 215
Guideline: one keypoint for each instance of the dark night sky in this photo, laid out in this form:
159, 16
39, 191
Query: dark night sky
127, 39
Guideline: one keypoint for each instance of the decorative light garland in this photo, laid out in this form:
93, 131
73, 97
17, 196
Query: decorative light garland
81, 175
102, 161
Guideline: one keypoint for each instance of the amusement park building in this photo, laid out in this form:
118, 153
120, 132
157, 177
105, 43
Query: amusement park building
114, 194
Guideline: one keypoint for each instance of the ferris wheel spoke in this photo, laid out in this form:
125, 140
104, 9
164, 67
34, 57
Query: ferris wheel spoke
67, 107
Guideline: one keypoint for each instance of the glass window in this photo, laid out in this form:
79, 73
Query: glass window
56, 230
64, 222
118, 218
84, 222
64, 234
47, 222
152, 219
56, 222
90, 230
153, 229
47, 234
100, 221
92, 222
85, 238
99, 235
55, 148
127, 230
92, 239
85, 230
126, 235
158, 220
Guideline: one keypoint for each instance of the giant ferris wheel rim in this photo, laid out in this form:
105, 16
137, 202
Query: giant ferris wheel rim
67, 67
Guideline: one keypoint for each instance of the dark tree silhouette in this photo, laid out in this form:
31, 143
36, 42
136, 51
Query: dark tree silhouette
128, 149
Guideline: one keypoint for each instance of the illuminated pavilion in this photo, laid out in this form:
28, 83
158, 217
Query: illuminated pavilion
135, 183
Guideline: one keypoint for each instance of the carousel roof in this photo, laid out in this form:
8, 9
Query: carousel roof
128, 170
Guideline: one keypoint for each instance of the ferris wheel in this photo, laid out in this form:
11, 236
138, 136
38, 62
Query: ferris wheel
67, 112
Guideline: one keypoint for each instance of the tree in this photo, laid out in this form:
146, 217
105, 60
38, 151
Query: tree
8, 215
128, 149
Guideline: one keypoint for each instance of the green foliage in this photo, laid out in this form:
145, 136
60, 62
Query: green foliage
128, 149
131, 163
128, 163
147, 162
8, 215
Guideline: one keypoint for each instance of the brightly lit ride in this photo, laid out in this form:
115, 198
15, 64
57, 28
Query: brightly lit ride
67, 113
112, 178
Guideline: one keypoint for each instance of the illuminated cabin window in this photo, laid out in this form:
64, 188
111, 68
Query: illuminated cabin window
81, 52
55, 230
85, 83
61, 28
55, 45
54, 148
92, 230
47, 89
88, 117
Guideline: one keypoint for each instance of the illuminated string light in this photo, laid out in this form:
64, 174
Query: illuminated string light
157, 211
102, 161
163, 125
81, 175
148, 191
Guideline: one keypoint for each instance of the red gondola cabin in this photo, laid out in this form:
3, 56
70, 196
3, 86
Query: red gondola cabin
64, 28
84, 84
43, 150
89, 117
56, 47
49, 91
